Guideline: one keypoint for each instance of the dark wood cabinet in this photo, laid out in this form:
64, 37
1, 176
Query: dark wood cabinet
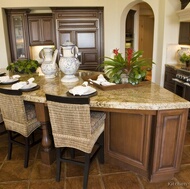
146, 142
81, 26
170, 72
18, 33
41, 29
84, 28
184, 31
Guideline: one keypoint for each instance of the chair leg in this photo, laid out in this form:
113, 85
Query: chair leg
58, 164
101, 152
72, 152
86, 170
32, 138
9, 145
27, 143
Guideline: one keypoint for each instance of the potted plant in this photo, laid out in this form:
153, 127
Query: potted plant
133, 66
23, 66
185, 58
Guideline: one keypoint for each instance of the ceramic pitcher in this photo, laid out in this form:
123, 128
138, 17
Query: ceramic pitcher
69, 62
49, 66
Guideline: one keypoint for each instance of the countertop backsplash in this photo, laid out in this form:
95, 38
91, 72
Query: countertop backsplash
171, 53
34, 51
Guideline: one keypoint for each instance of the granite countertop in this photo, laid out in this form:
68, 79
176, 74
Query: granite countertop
148, 96
178, 66
175, 66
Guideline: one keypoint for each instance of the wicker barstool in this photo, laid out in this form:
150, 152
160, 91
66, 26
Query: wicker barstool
75, 126
19, 119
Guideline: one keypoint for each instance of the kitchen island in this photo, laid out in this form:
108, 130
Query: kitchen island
145, 125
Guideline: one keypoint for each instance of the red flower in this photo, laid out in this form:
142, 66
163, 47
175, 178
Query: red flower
129, 55
116, 51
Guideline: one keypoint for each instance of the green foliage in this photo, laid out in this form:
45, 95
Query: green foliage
185, 58
24, 66
136, 68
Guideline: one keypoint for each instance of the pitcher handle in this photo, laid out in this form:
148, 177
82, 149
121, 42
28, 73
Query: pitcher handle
75, 51
60, 53
41, 54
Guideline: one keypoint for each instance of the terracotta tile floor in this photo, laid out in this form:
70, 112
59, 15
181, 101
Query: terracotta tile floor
39, 176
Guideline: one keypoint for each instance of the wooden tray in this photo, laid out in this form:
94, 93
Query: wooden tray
112, 87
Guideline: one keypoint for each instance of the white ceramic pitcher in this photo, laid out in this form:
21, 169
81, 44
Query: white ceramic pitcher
69, 50
69, 62
49, 66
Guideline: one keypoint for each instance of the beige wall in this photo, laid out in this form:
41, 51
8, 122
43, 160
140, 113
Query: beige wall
115, 12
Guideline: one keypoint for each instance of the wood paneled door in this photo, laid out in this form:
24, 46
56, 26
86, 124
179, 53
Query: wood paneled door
84, 28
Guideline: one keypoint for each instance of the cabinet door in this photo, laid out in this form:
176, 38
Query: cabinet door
18, 34
47, 31
41, 30
87, 42
128, 140
84, 29
169, 138
34, 31
184, 31
170, 73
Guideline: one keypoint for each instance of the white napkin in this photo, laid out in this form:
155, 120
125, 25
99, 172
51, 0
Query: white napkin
24, 84
79, 90
7, 78
4, 78
102, 81
18, 85
16, 76
31, 80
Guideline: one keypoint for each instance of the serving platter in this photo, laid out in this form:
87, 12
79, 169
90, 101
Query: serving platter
10, 81
30, 89
2, 73
90, 91
86, 95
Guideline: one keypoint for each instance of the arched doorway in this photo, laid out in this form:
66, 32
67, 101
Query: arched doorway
139, 30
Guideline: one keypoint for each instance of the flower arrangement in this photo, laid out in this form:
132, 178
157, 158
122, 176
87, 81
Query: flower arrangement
133, 66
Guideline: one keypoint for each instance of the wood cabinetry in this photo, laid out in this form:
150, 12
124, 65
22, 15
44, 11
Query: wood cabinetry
84, 28
81, 26
18, 33
146, 142
170, 73
184, 32
41, 29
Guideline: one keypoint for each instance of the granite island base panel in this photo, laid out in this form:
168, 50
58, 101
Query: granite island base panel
145, 125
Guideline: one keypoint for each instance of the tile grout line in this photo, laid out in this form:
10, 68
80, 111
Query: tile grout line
101, 179
35, 158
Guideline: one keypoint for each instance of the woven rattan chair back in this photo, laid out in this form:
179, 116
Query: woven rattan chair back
70, 122
14, 112
75, 126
